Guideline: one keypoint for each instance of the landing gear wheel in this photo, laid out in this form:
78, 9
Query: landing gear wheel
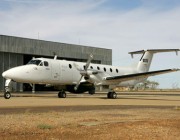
91, 92
112, 95
62, 94
109, 95
7, 95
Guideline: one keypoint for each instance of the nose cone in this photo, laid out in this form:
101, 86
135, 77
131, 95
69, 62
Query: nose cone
7, 74
18, 74
13, 73
4, 74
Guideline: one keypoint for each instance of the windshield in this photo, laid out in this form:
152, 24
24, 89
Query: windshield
36, 62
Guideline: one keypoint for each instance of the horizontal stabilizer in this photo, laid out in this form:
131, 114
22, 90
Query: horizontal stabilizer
155, 51
139, 75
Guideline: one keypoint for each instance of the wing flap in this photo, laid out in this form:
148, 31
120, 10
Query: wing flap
139, 75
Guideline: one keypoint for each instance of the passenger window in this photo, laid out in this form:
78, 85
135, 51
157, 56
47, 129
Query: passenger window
105, 69
98, 68
84, 67
91, 67
110, 70
70, 66
117, 70
46, 63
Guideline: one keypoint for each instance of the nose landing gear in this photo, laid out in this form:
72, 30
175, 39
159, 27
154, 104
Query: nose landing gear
7, 94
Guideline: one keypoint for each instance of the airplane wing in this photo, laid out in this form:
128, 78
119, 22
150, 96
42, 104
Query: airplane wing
138, 75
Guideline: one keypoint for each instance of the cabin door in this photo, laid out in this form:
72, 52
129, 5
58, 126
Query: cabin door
56, 70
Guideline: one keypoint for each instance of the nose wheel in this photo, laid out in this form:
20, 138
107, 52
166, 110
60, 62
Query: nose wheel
7, 95
112, 95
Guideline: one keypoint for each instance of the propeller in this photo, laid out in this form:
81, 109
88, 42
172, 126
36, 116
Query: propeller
83, 72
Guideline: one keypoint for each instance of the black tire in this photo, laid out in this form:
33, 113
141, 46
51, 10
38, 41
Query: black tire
91, 92
7, 95
62, 94
112, 95
109, 95
59, 95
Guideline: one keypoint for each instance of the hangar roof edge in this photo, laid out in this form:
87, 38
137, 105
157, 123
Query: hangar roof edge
53, 42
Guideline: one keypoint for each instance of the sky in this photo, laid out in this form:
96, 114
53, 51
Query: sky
120, 25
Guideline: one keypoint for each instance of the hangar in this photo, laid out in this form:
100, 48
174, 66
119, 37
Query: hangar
16, 51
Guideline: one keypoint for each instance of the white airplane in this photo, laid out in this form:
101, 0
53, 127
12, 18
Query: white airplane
79, 77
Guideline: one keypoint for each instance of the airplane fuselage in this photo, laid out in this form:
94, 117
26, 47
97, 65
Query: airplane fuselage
62, 72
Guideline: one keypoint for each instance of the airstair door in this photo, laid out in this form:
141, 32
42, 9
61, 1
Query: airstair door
56, 69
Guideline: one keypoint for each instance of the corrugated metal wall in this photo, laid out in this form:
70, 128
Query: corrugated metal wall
10, 60
47, 48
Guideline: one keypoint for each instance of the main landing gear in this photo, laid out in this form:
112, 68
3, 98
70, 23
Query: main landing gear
112, 95
62, 94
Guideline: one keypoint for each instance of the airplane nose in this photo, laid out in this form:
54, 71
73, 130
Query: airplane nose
7, 74
13, 73
4, 74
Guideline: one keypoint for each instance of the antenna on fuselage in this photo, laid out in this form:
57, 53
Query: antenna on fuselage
55, 57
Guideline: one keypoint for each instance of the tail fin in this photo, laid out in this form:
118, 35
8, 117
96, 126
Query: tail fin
146, 59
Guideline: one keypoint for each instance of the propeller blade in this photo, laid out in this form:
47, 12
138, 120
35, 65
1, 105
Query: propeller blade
78, 83
88, 61
83, 73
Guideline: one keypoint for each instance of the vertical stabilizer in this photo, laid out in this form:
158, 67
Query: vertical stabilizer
146, 59
145, 62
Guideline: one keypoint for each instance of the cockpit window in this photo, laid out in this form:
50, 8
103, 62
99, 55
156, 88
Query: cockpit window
41, 64
35, 62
